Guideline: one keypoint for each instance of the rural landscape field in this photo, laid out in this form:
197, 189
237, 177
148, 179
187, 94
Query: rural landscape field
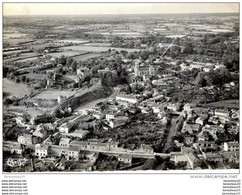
121, 92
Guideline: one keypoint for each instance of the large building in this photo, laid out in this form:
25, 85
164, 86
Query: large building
145, 70
132, 99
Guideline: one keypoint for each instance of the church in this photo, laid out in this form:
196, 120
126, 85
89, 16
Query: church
145, 70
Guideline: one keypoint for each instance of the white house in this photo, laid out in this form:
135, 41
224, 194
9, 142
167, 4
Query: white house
41, 150
231, 146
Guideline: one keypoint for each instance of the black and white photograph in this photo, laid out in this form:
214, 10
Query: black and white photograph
120, 87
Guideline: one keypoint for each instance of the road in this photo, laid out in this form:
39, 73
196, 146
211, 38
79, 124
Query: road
134, 154
172, 132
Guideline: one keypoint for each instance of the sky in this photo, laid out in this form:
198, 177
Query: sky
115, 8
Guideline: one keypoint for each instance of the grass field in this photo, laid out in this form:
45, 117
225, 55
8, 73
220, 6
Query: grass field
86, 56
23, 57
16, 89
36, 76
44, 45
223, 104
16, 41
96, 49
28, 59
78, 41
53, 95
98, 44
67, 53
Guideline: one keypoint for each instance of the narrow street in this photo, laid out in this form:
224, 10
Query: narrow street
172, 132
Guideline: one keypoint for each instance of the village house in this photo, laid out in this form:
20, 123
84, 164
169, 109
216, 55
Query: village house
80, 133
41, 150
178, 144
12, 147
113, 146
204, 145
157, 108
42, 133
190, 160
231, 146
20, 121
201, 120
235, 114
98, 114
189, 140
64, 142
233, 129
82, 72
48, 141
207, 69
117, 122
213, 157
66, 127
189, 107
110, 115
57, 151
134, 81
125, 158
190, 128
201, 111
88, 156
214, 120
145, 109
174, 107
26, 139
145, 149
97, 146
73, 153
132, 99
222, 113
184, 67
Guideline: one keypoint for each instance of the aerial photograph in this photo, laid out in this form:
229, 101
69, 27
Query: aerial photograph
95, 87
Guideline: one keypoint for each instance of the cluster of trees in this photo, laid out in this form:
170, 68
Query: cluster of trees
216, 77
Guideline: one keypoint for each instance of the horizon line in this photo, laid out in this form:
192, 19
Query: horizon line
123, 14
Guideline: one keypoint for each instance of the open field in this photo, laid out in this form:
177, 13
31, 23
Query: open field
16, 89
53, 95
13, 35
44, 45
23, 57
78, 41
16, 41
32, 111
67, 53
96, 49
220, 30
175, 36
36, 76
86, 56
15, 52
28, 59
223, 104
98, 44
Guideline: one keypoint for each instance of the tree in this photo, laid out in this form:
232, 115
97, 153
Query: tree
69, 61
200, 81
144, 54
62, 60
74, 66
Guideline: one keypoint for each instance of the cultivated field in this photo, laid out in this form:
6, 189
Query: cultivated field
86, 56
96, 49
98, 44
53, 95
78, 41
67, 53
16, 89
